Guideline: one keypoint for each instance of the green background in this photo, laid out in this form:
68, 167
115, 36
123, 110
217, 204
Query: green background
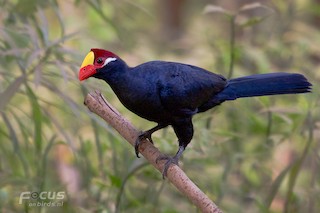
249, 155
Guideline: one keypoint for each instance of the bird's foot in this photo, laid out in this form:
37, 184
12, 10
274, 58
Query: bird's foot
142, 136
170, 160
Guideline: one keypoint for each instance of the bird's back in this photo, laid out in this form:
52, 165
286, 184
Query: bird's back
173, 88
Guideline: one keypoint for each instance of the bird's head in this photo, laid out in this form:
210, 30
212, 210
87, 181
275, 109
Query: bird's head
95, 60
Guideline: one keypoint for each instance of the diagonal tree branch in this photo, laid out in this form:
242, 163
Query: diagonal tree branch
98, 105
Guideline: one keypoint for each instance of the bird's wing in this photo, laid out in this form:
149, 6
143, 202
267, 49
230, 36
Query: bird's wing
183, 88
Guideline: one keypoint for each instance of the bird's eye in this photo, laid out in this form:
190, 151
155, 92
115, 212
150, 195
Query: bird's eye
99, 60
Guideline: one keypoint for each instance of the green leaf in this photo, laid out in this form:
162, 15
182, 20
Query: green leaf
115, 180
28, 8
37, 118
252, 21
253, 6
255, 19
216, 9
6, 96
13, 136
297, 165
275, 186
45, 159
15, 143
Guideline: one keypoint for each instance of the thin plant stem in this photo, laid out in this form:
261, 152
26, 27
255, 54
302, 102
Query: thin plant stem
232, 44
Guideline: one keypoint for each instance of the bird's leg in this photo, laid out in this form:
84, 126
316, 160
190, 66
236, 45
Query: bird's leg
170, 160
146, 135
184, 130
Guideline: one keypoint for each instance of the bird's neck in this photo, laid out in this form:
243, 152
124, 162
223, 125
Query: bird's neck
117, 75
114, 72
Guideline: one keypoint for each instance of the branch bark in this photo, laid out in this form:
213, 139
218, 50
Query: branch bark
98, 105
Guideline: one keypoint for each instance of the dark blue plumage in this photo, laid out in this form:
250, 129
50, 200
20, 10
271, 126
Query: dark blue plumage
264, 84
171, 93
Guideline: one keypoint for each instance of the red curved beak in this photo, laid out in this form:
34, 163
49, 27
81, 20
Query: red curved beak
86, 72
87, 68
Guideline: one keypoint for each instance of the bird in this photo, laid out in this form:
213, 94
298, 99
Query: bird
171, 93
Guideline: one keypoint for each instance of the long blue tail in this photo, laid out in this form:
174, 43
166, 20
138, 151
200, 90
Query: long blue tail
264, 84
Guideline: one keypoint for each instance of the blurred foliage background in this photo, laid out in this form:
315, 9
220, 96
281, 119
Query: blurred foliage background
250, 155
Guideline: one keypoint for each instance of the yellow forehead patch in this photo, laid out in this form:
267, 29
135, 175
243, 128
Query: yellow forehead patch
88, 60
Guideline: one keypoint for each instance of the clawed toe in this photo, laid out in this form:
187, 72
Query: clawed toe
169, 161
146, 135
142, 136
136, 147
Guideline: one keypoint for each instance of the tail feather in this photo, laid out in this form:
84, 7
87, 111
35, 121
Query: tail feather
264, 84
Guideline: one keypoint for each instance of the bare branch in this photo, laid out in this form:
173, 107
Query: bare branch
99, 105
